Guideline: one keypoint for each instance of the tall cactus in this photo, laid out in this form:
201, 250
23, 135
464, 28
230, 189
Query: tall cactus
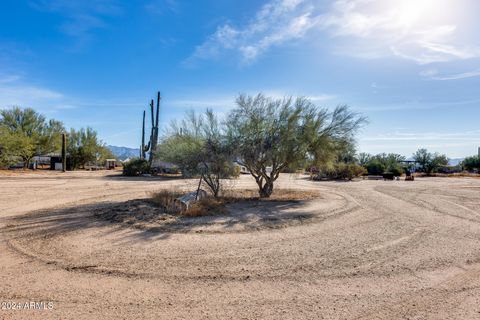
154, 134
144, 147
152, 143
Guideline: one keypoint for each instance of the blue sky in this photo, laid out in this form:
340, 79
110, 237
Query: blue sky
411, 66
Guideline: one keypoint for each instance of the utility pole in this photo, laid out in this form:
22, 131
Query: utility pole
64, 152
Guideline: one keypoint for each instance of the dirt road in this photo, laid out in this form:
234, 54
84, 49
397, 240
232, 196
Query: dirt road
375, 250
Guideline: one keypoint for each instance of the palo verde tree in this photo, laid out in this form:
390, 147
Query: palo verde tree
198, 146
30, 133
429, 162
382, 162
270, 135
84, 147
13, 147
471, 163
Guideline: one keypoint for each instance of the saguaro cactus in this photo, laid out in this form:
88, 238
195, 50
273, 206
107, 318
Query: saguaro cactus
152, 143
144, 147
154, 134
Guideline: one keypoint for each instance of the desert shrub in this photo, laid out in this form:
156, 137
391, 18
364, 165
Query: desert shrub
375, 167
471, 163
429, 162
235, 171
199, 147
345, 171
396, 169
277, 195
165, 199
172, 170
206, 206
381, 163
136, 167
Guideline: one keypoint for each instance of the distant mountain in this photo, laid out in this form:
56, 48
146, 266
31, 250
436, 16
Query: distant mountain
455, 161
122, 153
451, 162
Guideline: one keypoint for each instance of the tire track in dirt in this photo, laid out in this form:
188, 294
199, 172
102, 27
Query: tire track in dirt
380, 257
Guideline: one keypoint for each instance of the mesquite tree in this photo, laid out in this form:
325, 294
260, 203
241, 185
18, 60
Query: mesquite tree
269, 135
198, 146
429, 162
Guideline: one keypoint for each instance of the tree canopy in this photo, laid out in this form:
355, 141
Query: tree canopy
429, 162
84, 147
270, 135
198, 146
26, 133
381, 163
471, 163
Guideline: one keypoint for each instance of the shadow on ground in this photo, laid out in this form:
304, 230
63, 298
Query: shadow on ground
141, 220
121, 177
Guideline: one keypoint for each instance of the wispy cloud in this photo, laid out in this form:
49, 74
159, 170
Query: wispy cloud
420, 105
274, 24
227, 101
80, 17
423, 31
464, 75
455, 144
13, 92
473, 135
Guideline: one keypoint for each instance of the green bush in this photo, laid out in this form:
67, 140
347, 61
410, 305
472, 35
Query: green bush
471, 163
375, 167
396, 169
136, 167
236, 171
349, 171
342, 171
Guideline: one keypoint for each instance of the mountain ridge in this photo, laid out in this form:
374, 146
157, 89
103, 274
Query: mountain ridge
124, 153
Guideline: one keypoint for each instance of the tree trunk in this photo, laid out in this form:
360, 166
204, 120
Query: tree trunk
266, 190
213, 183
26, 163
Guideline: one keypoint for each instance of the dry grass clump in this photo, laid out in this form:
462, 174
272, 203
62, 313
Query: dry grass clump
294, 195
449, 175
165, 199
205, 207
277, 195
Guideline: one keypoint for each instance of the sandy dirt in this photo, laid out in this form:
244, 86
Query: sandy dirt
362, 250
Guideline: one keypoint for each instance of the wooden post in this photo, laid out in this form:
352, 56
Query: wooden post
198, 189
64, 152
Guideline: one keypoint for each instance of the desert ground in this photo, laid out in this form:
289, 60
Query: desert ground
360, 250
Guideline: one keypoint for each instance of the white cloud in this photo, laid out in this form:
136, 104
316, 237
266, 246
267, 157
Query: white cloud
457, 76
423, 31
473, 135
274, 24
15, 93
455, 144
227, 101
